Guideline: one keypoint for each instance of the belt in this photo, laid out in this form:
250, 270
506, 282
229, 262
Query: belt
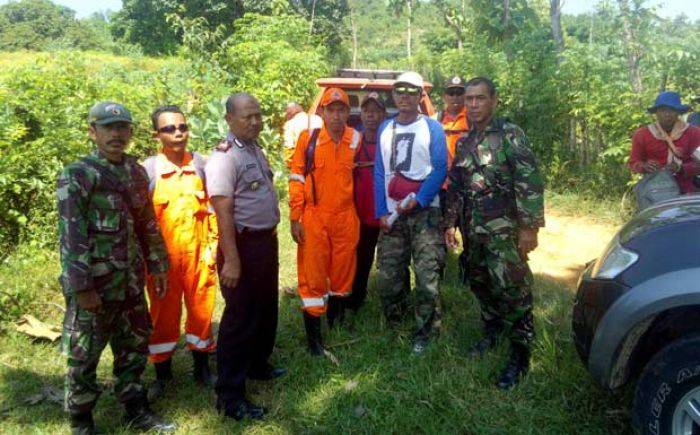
258, 232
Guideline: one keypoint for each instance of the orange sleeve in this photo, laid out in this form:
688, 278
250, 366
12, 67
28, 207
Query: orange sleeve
296, 177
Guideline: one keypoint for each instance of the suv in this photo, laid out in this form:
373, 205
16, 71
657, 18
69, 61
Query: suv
358, 83
636, 316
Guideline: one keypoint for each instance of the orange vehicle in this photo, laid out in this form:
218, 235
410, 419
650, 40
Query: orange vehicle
357, 83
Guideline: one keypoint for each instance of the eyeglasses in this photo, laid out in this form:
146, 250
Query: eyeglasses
454, 92
405, 90
170, 129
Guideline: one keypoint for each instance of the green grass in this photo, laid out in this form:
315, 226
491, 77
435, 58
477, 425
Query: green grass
378, 387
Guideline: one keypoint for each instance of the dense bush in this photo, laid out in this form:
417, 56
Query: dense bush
44, 100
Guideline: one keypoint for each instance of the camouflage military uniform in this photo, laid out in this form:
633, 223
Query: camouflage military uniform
416, 234
108, 233
495, 190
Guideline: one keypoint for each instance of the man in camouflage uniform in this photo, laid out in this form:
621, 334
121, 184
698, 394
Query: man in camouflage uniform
496, 194
108, 233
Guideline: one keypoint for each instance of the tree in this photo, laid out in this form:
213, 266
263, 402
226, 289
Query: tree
455, 16
33, 24
407, 8
632, 46
555, 19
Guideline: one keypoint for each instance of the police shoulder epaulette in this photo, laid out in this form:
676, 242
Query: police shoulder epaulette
223, 146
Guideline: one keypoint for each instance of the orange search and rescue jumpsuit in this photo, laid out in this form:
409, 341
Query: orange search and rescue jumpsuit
455, 127
323, 201
190, 233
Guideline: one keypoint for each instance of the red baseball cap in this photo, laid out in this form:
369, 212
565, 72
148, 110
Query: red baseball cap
331, 95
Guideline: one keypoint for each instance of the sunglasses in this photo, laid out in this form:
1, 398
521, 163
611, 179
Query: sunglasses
405, 90
454, 92
170, 129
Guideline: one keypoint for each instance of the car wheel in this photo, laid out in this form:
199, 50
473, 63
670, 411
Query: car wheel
667, 399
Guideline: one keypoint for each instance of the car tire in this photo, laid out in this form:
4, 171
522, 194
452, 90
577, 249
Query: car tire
669, 381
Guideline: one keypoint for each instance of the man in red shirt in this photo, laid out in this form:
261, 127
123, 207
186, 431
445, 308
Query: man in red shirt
372, 114
667, 143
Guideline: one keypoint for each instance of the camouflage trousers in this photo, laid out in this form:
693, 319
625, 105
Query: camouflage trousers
415, 236
125, 326
502, 282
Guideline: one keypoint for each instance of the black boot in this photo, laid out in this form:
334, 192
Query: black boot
140, 417
313, 334
518, 364
336, 310
240, 409
202, 374
164, 374
486, 343
82, 424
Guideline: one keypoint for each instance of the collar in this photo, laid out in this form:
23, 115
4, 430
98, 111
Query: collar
166, 167
97, 155
447, 117
240, 143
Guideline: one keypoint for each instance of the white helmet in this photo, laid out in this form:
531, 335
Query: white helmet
411, 78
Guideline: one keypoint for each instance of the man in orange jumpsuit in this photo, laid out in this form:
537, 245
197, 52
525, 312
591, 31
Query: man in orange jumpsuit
177, 186
454, 117
322, 211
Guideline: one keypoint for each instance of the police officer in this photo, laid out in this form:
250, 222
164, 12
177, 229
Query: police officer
108, 233
496, 190
239, 182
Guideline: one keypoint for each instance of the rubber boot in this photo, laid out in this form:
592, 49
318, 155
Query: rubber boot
336, 310
312, 325
140, 417
164, 375
82, 424
517, 366
202, 374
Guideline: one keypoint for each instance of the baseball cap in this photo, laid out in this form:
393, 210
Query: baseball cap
108, 112
410, 78
454, 82
372, 96
333, 95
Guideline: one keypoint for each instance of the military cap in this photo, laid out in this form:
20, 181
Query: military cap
108, 112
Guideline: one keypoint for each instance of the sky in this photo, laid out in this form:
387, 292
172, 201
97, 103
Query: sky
665, 8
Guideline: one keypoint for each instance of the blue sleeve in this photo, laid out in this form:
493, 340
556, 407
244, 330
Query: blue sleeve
438, 160
380, 208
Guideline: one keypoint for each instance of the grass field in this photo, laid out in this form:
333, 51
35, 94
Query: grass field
378, 385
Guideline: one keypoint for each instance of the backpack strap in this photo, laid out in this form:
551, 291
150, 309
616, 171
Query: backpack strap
311, 151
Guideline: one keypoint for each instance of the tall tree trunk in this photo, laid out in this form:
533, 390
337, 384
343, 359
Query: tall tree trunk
506, 13
634, 52
353, 26
313, 15
555, 18
409, 8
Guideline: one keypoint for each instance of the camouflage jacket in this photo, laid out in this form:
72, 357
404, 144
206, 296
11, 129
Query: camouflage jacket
107, 227
495, 184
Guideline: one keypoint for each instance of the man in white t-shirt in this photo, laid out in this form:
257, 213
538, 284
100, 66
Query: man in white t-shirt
297, 121
410, 167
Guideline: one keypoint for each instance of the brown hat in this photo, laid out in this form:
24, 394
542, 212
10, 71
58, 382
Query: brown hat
454, 82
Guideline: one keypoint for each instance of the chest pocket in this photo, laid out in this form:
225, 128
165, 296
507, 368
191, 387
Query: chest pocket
105, 214
253, 177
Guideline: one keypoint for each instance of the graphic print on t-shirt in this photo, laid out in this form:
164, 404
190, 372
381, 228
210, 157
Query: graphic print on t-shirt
402, 151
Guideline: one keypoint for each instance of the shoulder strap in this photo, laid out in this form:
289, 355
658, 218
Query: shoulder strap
311, 151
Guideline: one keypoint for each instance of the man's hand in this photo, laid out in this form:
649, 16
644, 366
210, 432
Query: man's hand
384, 224
673, 167
451, 238
160, 282
411, 204
651, 166
89, 300
297, 232
527, 241
230, 274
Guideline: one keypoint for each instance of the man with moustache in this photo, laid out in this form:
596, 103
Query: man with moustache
178, 190
242, 191
496, 191
108, 238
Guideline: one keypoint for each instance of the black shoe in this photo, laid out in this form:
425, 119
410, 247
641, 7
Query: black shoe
240, 409
481, 346
201, 372
164, 375
268, 373
517, 367
82, 424
313, 334
336, 311
140, 417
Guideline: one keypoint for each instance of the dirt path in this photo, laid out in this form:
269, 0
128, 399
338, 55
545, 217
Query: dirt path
566, 244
